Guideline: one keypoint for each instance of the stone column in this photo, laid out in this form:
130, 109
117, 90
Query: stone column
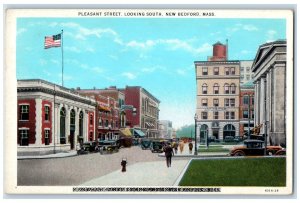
38, 126
67, 130
55, 125
77, 111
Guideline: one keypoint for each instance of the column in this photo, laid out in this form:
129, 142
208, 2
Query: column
67, 130
77, 111
262, 109
38, 122
55, 124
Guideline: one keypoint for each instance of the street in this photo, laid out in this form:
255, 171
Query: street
79, 169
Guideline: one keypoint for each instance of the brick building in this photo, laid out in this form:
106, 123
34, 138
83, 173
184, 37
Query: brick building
51, 117
147, 110
246, 107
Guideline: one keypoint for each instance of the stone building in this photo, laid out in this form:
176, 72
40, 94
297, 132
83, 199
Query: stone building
246, 74
165, 129
52, 118
269, 69
218, 86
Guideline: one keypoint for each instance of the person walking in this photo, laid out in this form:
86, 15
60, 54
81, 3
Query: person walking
168, 153
181, 146
191, 147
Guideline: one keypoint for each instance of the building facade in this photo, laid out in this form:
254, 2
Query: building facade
217, 99
165, 129
147, 110
246, 107
269, 69
246, 74
52, 118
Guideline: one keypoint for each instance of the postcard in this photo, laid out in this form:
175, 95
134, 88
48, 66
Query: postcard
149, 101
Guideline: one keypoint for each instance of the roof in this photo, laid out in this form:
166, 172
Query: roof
248, 84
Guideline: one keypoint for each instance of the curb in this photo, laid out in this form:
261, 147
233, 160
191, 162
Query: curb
50, 156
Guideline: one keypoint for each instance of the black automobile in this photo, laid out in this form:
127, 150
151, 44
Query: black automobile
146, 144
108, 146
157, 146
90, 146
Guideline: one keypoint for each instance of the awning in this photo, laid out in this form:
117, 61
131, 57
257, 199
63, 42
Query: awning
126, 132
139, 133
104, 108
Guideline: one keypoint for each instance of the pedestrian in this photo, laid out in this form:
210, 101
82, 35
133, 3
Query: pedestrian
168, 153
181, 146
123, 164
190, 147
175, 147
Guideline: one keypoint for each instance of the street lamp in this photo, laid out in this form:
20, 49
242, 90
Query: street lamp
196, 151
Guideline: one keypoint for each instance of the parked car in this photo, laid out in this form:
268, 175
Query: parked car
256, 148
90, 146
146, 143
108, 146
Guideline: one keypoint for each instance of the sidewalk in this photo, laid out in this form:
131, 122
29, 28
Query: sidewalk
143, 174
49, 156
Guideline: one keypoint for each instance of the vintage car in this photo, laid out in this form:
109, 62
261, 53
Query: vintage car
145, 144
90, 146
157, 146
108, 146
256, 148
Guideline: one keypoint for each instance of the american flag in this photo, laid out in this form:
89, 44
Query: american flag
53, 41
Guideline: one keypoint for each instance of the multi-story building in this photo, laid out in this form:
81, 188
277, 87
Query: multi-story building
147, 110
245, 71
52, 118
107, 113
246, 107
165, 129
269, 69
218, 85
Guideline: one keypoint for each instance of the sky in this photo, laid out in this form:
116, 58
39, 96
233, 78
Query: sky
157, 54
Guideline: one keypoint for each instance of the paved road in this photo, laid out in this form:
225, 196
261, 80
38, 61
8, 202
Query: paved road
80, 169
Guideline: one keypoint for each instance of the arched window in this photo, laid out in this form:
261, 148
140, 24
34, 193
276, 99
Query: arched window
226, 88
204, 88
216, 88
229, 130
232, 88
203, 132
62, 125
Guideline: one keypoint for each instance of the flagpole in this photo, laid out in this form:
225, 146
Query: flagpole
62, 59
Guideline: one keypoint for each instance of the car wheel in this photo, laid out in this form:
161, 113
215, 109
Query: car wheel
281, 152
239, 153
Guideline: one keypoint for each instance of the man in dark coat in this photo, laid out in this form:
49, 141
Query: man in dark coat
168, 153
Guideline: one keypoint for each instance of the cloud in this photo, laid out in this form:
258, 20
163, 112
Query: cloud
90, 49
250, 28
84, 32
239, 26
180, 71
97, 69
129, 75
245, 52
73, 49
43, 62
271, 35
21, 31
55, 61
143, 45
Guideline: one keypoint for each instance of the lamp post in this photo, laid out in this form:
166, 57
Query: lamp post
249, 115
196, 150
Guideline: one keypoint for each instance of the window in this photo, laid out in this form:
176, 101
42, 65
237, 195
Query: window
106, 123
227, 71
252, 114
242, 77
245, 114
216, 115
232, 102
47, 133
216, 88
226, 88
229, 115
100, 122
47, 113
204, 115
63, 126
204, 88
216, 70
204, 102
91, 119
226, 102
248, 69
242, 69
246, 100
216, 102
248, 77
252, 100
23, 137
81, 123
232, 69
24, 112
233, 88
204, 70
